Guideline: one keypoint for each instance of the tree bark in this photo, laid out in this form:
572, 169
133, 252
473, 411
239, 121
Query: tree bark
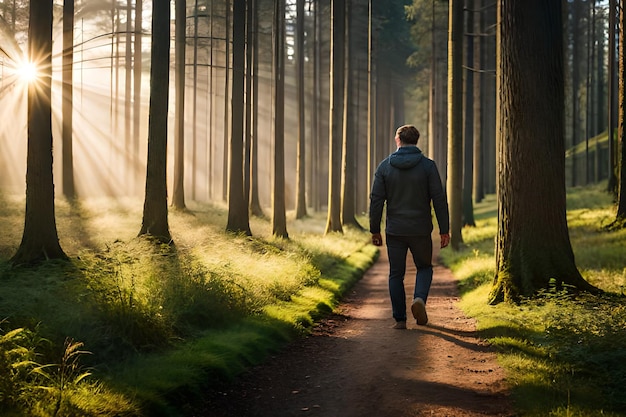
238, 218
279, 221
155, 221
333, 222
455, 122
468, 140
348, 152
39, 240
129, 157
137, 70
301, 149
67, 105
620, 217
612, 183
478, 192
533, 249
255, 203
178, 192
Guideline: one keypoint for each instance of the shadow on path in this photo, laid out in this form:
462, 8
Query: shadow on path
354, 364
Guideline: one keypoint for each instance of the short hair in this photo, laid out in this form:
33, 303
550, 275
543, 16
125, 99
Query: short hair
408, 134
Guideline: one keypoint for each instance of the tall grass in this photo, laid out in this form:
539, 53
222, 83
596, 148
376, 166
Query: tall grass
564, 355
159, 319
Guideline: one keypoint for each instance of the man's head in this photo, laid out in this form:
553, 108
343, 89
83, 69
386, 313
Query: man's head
407, 135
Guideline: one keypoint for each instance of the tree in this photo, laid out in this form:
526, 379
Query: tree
469, 120
238, 217
137, 65
620, 218
477, 182
279, 222
612, 183
455, 122
348, 151
67, 103
131, 156
178, 192
39, 240
533, 250
333, 223
300, 154
255, 203
155, 220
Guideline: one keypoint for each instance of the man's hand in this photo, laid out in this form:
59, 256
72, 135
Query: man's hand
377, 239
445, 240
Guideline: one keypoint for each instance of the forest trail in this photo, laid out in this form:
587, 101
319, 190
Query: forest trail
354, 364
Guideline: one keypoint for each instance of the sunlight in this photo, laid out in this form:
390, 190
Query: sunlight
27, 71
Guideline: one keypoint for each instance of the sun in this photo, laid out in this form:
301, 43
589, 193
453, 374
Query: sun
27, 72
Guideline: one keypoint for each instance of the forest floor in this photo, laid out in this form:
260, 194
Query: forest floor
354, 364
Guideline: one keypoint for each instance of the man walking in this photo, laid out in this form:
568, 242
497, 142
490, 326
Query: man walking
408, 182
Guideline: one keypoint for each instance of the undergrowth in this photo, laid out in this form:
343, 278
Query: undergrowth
563, 354
129, 326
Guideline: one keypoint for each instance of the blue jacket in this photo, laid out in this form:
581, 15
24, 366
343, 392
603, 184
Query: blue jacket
408, 181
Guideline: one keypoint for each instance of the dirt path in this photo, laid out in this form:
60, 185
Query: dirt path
355, 365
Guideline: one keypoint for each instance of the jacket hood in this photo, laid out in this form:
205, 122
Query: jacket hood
406, 157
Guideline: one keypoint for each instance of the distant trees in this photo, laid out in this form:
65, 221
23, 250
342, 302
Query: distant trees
39, 240
533, 249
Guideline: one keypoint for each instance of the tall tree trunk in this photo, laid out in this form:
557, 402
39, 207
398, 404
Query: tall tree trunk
468, 140
601, 118
130, 157
479, 63
300, 80
67, 104
371, 117
455, 122
155, 220
533, 249
238, 218
247, 165
39, 240
255, 203
279, 222
612, 183
315, 140
178, 191
137, 69
194, 105
620, 218
348, 152
226, 170
333, 223
576, 62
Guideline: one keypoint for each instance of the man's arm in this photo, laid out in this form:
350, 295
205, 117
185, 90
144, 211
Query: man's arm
377, 201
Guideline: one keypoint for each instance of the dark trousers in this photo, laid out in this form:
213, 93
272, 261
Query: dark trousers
421, 248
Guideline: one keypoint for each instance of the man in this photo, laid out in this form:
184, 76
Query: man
408, 182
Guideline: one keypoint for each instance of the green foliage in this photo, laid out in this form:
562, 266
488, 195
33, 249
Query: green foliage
161, 322
563, 354
28, 388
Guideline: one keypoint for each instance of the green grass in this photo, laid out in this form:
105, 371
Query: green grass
157, 323
564, 356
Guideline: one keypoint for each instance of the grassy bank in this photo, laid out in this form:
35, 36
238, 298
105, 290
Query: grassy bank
564, 356
129, 327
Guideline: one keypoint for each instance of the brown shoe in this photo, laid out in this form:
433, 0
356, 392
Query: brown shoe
418, 308
400, 325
